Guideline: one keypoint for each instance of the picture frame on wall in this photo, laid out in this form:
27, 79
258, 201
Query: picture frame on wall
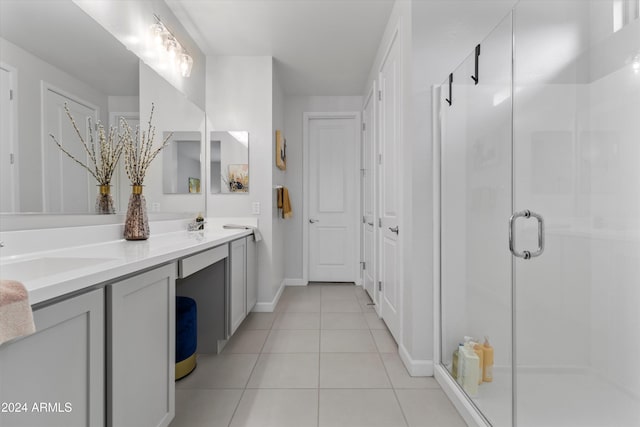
281, 151
238, 178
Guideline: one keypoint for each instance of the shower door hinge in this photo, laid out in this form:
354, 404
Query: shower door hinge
364, 126
10, 94
12, 159
379, 95
379, 222
363, 265
364, 220
379, 159
380, 286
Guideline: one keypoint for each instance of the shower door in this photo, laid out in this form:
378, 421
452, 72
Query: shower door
577, 164
476, 196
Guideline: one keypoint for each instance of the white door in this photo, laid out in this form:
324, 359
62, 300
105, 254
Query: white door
8, 179
333, 198
368, 195
389, 96
67, 186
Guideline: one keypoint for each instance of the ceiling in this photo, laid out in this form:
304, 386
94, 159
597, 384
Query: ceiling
60, 33
321, 47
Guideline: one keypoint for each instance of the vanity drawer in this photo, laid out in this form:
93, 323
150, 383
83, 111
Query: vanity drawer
189, 265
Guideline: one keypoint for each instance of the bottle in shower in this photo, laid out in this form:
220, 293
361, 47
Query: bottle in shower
487, 369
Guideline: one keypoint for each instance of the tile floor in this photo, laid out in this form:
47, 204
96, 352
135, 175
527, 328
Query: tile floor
322, 359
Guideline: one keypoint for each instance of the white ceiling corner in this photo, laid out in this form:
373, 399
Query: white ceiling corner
321, 47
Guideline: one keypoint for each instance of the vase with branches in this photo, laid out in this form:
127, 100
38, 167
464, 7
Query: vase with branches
139, 152
103, 150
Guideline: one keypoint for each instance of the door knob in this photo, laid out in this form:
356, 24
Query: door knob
313, 221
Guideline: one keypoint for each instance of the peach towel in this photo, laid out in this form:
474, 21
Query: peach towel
16, 317
284, 203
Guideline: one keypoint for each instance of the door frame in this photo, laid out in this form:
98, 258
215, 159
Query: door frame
306, 118
15, 149
370, 97
48, 87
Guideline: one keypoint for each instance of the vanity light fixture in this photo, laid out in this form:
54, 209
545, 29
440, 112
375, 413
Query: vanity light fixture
167, 43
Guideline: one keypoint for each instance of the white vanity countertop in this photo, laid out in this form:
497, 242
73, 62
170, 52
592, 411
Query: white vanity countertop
54, 273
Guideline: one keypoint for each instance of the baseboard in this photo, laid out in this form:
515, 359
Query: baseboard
295, 282
268, 307
416, 368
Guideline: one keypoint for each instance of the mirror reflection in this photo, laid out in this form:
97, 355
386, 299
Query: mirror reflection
229, 162
181, 163
173, 179
44, 64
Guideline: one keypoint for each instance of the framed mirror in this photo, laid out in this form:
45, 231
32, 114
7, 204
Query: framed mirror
45, 65
229, 162
181, 163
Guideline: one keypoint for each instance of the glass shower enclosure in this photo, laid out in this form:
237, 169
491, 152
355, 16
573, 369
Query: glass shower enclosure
540, 216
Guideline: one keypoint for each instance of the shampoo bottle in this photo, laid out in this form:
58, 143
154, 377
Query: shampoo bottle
471, 373
454, 364
487, 371
479, 351
460, 372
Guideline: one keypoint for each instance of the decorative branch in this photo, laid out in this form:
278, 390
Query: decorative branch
103, 166
139, 152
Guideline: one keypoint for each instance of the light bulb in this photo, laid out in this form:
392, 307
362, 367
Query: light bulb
172, 47
157, 31
186, 63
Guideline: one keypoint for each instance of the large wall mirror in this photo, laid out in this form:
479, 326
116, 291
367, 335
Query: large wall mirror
229, 158
52, 53
174, 182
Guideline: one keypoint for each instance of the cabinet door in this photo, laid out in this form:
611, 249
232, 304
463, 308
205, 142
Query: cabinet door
141, 342
57, 374
238, 279
252, 274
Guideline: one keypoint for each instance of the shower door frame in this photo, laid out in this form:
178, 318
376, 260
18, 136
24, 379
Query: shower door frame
469, 411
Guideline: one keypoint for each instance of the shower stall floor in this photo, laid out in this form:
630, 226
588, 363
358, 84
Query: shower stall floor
545, 398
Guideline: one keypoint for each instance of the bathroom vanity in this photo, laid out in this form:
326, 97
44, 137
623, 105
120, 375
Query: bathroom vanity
104, 349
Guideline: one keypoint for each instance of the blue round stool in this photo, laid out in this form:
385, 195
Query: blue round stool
186, 336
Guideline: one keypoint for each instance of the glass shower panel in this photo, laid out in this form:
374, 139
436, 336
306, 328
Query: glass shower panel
577, 163
475, 204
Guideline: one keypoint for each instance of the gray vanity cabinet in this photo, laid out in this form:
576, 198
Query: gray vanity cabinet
252, 273
238, 283
55, 377
141, 349
243, 279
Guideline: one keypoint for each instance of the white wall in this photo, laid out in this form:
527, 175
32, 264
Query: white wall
294, 107
240, 97
31, 72
124, 104
278, 178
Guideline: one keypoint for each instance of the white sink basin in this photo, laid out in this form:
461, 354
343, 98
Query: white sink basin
41, 267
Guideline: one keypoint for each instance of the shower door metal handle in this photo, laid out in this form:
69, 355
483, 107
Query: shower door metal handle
512, 234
